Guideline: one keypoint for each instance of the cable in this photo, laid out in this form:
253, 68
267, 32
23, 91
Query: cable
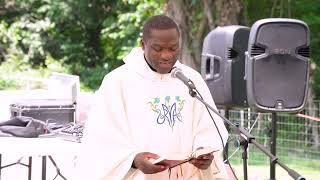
223, 151
254, 123
235, 151
238, 142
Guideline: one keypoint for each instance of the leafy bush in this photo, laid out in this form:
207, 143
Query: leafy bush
16, 74
7, 84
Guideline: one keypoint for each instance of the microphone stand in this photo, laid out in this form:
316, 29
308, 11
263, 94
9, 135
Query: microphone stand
246, 138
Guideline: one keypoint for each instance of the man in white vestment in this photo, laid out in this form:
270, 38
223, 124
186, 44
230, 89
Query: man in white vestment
142, 113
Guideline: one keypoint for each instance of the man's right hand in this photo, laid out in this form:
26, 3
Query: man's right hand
142, 162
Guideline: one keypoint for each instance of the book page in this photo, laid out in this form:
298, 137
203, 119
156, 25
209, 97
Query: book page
170, 163
175, 162
203, 151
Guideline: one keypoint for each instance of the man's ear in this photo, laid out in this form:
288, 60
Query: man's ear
142, 44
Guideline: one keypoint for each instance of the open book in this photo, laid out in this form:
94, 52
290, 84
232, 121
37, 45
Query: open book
176, 162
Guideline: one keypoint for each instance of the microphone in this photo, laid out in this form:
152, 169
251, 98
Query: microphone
177, 73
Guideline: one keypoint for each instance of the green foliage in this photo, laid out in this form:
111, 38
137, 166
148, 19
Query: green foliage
122, 31
309, 13
90, 38
16, 74
6, 84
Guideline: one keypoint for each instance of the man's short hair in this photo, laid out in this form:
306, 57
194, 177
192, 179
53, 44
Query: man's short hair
161, 22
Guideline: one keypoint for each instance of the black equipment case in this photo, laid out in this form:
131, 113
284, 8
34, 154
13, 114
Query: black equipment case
47, 110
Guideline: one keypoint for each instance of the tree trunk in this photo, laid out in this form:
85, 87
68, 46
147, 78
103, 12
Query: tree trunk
229, 12
208, 13
195, 23
178, 11
311, 109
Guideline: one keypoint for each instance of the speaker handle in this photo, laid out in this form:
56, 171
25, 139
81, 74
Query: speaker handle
212, 74
246, 66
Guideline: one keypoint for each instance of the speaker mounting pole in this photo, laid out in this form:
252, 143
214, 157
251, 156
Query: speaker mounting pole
273, 145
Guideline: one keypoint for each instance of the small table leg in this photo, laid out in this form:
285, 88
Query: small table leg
44, 167
0, 165
29, 168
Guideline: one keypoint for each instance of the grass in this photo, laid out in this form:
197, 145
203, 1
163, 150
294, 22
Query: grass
259, 166
262, 172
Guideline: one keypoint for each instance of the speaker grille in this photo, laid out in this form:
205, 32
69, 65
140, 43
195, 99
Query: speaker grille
256, 50
305, 51
232, 53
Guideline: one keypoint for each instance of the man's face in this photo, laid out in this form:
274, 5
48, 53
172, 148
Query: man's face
162, 49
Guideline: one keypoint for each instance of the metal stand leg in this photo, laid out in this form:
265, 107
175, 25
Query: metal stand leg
273, 145
29, 165
58, 169
30, 168
0, 165
244, 145
44, 167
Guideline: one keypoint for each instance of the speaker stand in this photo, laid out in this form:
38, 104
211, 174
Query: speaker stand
244, 143
246, 137
273, 145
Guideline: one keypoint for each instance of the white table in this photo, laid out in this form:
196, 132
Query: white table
29, 147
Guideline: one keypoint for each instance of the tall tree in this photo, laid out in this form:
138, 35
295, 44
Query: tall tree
228, 12
198, 17
180, 11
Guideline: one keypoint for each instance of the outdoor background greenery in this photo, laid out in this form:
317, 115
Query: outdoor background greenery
83, 37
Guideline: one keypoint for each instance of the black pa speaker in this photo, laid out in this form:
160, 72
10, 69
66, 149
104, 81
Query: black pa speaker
277, 65
223, 64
